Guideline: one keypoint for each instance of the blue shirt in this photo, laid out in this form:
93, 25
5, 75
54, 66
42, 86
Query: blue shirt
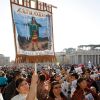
3, 81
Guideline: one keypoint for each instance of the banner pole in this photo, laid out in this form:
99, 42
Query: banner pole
35, 68
35, 71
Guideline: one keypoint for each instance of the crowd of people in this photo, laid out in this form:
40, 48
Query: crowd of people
50, 83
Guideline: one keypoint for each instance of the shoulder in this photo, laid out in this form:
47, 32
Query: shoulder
1, 97
19, 97
15, 97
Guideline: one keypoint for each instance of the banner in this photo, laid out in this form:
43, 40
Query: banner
33, 31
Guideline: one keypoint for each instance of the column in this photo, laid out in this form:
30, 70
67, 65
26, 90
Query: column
82, 59
71, 60
95, 60
86, 59
98, 59
79, 59
92, 59
76, 59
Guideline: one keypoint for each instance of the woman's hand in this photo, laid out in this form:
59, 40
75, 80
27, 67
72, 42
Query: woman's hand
33, 87
34, 78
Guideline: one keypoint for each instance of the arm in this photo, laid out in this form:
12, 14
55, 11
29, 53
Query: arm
95, 95
39, 25
33, 88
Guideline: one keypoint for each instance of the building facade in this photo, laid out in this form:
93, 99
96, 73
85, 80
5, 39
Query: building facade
4, 60
62, 57
83, 55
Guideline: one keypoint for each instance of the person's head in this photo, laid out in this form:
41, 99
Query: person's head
57, 77
93, 89
72, 67
24, 75
81, 83
2, 73
33, 20
74, 76
55, 89
17, 75
42, 78
29, 76
68, 78
96, 77
87, 73
63, 71
22, 86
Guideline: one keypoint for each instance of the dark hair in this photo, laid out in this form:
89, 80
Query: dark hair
19, 81
52, 79
75, 75
33, 19
86, 70
54, 83
29, 76
51, 94
24, 75
42, 77
16, 73
56, 75
72, 69
79, 81
3, 74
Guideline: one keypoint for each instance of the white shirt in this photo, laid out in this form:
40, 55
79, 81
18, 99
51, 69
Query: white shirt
19, 97
73, 87
64, 86
74, 84
1, 98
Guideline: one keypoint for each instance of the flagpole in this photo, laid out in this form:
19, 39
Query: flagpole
35, 72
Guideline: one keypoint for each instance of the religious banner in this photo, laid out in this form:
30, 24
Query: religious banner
33, 31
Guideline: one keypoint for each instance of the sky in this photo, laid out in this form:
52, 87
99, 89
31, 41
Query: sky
75, 22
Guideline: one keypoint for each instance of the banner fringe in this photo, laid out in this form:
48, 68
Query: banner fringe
35, 59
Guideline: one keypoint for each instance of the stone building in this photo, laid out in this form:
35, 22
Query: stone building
4, 60
86, 53
62, 57
82, 55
